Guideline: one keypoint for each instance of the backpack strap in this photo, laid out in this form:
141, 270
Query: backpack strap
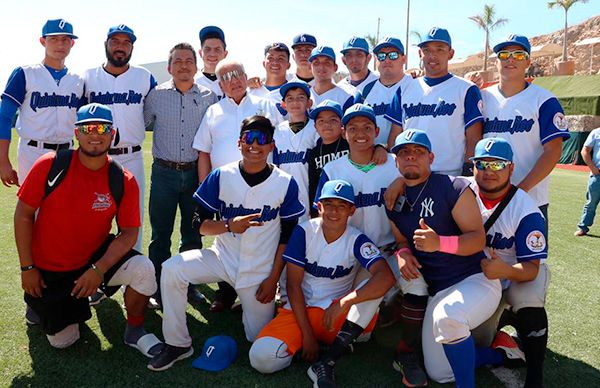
490, 221
58, 170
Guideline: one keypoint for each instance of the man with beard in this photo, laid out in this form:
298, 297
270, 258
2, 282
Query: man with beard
356, 57
123, 88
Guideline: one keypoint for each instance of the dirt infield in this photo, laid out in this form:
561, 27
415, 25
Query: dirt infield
573, 167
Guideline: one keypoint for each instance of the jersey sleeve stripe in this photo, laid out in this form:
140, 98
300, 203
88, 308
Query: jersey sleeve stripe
373, 261
206, 204
297, 214
12, 98
390, 118
473, 121
534, 256
564, 135
292, 260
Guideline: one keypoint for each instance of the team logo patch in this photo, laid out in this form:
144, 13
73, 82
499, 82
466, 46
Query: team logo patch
368, 250
102, 202
536, 242
480, 105
560, 121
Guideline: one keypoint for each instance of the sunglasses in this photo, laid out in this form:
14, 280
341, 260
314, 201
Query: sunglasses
494, 166
519, 55
234, 74
100, 129
249, 137
392, 55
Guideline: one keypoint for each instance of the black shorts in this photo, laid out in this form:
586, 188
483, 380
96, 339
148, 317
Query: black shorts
56, 307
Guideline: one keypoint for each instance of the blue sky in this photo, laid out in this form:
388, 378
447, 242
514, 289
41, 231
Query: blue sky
250, 25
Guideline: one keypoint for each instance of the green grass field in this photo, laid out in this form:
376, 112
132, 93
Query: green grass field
100, 359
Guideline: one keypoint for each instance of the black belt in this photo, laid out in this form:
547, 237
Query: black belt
124, 150
49, 146
176, 166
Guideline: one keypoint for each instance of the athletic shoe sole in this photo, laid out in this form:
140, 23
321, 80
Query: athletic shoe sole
398, 368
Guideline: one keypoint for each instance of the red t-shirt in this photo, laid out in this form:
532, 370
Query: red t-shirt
76, 217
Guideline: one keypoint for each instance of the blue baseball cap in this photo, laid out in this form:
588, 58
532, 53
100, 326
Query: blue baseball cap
304, 39
94, 113
58, 27
493, 147
356, 43
121, 29
357, 110
339, 189
437, 34
329, 105
294, 84
411, 136
516, 40
217, 354
212, 32
389, 42
324, 51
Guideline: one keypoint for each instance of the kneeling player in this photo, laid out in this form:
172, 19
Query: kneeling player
322, 255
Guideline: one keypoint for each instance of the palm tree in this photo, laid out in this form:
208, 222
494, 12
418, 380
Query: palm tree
564, 4
487, 22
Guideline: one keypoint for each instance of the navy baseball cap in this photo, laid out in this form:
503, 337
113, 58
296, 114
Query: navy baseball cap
212, 32
121, 29
339, 189
58, 27
493, 147
304, 39
357, 110
217, 354
294, 84
389, 42
356, 43
94, 113
324, 51
437, 34
514, 40
277, 46
411, 136
329, 105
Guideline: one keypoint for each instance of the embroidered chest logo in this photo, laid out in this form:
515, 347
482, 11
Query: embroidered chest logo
102, 202
427, 208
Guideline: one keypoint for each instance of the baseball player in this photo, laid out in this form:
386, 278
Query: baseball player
123, 87
517, 251
276, 62
324, 256
258, 207
379, 93
356, 57
212, 51
322, 62
441, 258
591, 156
302, 46
447, 107
47, 96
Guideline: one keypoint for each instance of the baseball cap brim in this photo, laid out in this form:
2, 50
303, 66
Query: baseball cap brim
349, 116
397, 147
502, 45
93, 120
202, 363
291, 85
60, 33
332, 196
315, 112
433, 40
474, 158
387, 44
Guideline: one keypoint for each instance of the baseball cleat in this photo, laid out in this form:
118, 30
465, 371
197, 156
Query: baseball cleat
322, 374
169, 356
412, 373
98, 297
513, 356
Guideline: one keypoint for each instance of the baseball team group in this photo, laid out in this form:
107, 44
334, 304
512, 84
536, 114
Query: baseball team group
421, 195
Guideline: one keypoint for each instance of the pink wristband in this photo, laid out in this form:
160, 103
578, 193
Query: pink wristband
449, 244
399, 251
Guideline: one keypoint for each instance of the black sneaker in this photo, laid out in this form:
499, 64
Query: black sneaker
412, 373
31, 316
169, 356
322, 374
195, 296
98, 297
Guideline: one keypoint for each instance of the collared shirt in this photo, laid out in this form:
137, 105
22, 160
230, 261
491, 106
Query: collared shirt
176, 117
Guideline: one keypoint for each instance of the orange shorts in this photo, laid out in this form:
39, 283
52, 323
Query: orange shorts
285, 328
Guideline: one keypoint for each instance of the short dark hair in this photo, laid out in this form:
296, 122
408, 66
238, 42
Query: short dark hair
258, 123
277, 46
182, 46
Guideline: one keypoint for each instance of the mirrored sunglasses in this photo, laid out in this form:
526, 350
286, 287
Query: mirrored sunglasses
100, 129
392, 55
234, 74
481, 165
519, 55
249, 137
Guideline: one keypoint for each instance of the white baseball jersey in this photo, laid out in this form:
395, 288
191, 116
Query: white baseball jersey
203, 80
248, 257
527, 120
124, 95
345, 83
444, 108
329, 268
336, 94
369, 187
220, 127
379, 97
291, 155
47, 108
519, 233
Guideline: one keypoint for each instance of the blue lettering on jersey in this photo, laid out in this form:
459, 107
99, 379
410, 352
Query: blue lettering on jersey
369, 199
498, 241
267, 213
285, 157
516, 125
108, 98
380, 109
53, 100
327, 272
442, 108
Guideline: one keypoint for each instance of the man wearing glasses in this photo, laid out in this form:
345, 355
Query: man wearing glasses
258, 208
66, 251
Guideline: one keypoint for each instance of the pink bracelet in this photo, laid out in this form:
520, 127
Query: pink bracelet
449, 244
399, 251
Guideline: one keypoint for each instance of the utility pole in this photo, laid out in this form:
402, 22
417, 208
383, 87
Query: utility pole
407, 45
